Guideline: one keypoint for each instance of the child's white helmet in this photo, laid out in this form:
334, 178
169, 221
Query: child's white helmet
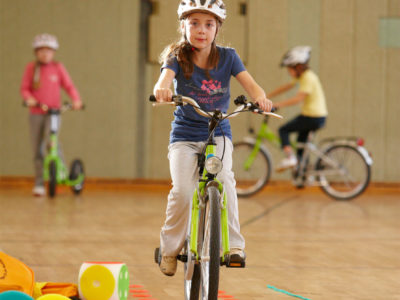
45, 40
296, 55
215, 7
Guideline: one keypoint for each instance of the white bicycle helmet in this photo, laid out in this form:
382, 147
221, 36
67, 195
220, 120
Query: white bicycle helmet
45, 40
296, 55
215, 7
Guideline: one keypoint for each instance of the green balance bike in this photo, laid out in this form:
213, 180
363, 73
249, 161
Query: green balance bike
55, 172
207, 243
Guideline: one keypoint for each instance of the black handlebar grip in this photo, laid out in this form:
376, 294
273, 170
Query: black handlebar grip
240, 100
152, 98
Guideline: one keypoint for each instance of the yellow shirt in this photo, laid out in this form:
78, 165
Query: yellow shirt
314, 104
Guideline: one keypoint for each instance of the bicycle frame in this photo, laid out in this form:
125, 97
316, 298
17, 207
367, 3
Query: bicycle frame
264, 133
309, 148
53, 155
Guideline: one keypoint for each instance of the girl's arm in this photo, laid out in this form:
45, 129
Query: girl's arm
299, 97
254, 90
26, 86
162, 90
69, 87
281, 89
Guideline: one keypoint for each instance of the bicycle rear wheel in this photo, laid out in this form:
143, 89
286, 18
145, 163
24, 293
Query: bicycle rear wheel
52, 187
347, 175
210, 248
75, 171
252, 168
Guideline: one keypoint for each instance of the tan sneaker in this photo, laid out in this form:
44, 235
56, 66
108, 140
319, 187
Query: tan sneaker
168, 265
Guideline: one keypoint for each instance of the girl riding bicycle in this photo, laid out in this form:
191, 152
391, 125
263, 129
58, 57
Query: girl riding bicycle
310, 93
201, 70
41, 85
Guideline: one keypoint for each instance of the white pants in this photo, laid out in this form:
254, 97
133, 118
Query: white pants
185, 175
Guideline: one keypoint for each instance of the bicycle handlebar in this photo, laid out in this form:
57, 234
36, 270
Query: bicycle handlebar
64, 107
240, 101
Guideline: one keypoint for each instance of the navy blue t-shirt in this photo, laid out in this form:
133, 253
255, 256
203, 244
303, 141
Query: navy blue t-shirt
209, 94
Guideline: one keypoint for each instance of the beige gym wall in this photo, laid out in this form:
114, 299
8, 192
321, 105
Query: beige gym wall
100, 48
98, 45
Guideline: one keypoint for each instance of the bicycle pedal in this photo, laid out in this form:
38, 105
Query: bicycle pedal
234, 261
157, 256
236, 264
182, 257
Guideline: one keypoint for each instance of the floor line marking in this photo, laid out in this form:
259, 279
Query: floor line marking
286, 292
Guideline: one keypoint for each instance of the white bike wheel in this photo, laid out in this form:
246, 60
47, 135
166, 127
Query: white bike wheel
349, 178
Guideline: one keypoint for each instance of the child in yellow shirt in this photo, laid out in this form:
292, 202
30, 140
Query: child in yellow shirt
310, 94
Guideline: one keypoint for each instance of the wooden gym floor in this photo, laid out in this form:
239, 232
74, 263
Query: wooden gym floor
298, 241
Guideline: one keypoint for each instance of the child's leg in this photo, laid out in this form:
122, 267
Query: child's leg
37, 129
308, 124
236, 239
302, 138
285, 130
184, 174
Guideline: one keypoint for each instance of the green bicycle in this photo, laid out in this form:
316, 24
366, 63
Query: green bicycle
202, 254
340, 166
55, 171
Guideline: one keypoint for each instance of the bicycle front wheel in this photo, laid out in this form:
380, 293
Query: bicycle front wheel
75, 171
210, 248
252, 168
52, 178
343, 172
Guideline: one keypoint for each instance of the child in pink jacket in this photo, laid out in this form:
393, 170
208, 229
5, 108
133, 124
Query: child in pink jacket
41, 84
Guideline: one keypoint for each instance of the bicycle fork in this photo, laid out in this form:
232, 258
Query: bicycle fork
198, 209
54, 156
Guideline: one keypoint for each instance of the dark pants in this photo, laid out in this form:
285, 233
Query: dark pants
301, 124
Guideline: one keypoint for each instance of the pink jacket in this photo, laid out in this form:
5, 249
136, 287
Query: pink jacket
52, 77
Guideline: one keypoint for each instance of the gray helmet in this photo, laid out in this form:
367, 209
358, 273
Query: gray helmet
296, 55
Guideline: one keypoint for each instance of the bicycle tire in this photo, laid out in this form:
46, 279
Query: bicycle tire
250, 180
52, 186
352, 165
192, 290
75, 171
210, 269
192, 286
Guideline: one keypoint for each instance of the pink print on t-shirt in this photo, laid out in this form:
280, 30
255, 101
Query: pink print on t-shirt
211, 86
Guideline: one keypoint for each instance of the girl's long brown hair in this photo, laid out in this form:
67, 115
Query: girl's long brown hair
184, 51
